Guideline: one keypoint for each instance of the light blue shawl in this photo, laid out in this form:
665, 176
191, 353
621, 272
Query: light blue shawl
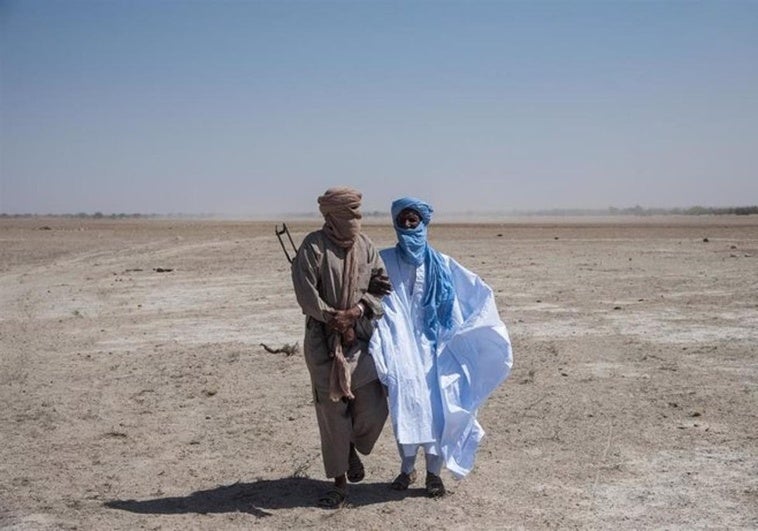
413, 248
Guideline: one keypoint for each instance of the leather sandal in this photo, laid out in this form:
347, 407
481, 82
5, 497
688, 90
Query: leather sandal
403, 481
334, 498
355, 471
434, 486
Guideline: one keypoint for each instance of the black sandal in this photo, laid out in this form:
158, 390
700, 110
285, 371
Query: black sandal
334, 498
355, 470
434, 486
403, 481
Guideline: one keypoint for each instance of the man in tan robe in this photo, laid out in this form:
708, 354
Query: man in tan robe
331, 274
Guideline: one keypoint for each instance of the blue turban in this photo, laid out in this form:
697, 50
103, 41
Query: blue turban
413, 247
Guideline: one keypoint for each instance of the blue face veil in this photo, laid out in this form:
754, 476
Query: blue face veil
413, 247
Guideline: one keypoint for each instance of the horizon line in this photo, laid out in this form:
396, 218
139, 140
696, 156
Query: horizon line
636, 210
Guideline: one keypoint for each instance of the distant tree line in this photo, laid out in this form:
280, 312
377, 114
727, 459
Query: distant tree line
641, 211
691, 211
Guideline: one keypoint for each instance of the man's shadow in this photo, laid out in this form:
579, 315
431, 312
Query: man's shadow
255, 498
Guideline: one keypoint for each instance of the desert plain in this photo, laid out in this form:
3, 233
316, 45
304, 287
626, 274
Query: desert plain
136, 394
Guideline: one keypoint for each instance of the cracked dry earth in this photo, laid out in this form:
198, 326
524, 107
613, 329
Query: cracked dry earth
135, 393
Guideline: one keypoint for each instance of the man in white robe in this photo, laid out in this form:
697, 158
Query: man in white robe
441, 350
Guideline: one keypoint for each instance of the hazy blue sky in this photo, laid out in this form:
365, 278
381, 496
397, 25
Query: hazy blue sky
257, 107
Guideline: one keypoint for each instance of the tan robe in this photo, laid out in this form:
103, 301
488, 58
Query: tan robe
317, 278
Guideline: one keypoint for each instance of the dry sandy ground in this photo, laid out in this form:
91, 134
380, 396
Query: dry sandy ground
137, 399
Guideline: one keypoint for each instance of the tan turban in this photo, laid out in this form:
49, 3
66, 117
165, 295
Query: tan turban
340, 207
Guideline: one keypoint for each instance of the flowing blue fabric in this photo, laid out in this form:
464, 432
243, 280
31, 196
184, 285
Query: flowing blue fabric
413, 247
435, 387
412, 243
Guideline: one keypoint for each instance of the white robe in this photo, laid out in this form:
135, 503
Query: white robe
435, 390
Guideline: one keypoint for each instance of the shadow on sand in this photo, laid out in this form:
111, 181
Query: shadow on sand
255, 498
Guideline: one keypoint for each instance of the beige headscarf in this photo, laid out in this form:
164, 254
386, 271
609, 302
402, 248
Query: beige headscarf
341, 210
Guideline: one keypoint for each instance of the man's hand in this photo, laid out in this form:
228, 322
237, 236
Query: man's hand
379, 284
344, 320
348, 337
